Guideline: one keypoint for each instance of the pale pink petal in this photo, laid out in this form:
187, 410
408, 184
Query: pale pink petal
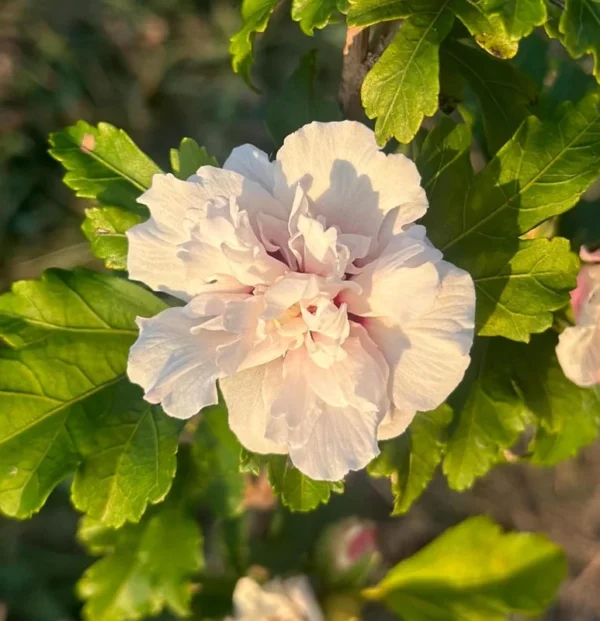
329, 417
394, 423
578, 352
401, 284
347, 178
253, 164
429, 355
589, 256
175, 367
248, 397
588, 281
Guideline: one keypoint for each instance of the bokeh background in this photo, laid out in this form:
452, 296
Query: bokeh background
160, 70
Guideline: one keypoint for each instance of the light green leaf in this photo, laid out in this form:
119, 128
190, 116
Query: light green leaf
146, 567
297, 491
491, 418
103, 163
474, 572
519, 18
255, 18
516, 293
186, 160
105, 228
503, 92
411, 459
72, 332
403, 86
217, 454
579, 30
315, 13
128, 449
369, 12
300, 102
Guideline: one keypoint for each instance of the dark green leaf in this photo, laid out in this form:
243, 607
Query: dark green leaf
411, 459
186, 160
300, 103
73, 331
472, 572
103, 163
217, 454
297, 491
503, 92
105, 228
255, 17
491, 418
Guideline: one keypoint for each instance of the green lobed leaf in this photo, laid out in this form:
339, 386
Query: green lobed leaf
403, 86
505, 95
519, 18
447, 580
297, 491
410, 460
315, 13
105, 228
71, 333
103, 163
579, 30
518, 283
518, 384
255, 18
490, 419
217, 454
186, 160
300, 102
145, 567
518, 290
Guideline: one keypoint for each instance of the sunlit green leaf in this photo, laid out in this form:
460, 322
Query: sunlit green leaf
186, 160
255, 17
315, 13
472, 572
65, 400
103, 163
145, 567
410, 460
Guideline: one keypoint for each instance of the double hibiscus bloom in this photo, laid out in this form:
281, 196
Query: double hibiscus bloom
312, 299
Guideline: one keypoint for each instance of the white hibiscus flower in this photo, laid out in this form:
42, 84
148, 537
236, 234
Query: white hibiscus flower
283, 600
578, 348
324, 313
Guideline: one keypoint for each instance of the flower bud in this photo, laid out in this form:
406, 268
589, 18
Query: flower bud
346, 553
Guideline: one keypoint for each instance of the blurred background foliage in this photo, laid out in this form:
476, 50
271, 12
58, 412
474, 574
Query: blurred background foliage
160, 69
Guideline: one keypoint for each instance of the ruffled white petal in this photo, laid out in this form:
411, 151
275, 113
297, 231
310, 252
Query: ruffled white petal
429, 355
347, 178
329, 417
248, 395
394, 423
175, 367
253, 164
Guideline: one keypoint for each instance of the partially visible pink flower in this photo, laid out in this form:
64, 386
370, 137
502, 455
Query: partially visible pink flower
578, 349
324, 313
283, 600
346, 552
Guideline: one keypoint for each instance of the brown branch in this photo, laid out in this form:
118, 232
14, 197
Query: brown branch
354, 71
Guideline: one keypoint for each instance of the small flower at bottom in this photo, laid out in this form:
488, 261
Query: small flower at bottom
578, 349
324, 313
283, 600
